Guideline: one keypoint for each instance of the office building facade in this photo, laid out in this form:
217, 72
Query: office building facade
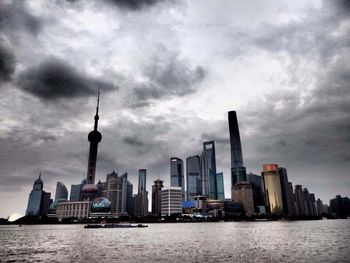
39, 200
243, 193
171, 201
177, 174
220, 186
193, 176
208, 163
157, 197
61, 191
273, 190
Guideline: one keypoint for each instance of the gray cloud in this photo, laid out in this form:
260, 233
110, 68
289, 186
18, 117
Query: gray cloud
14, 16
55, 79
134, 4
167, 77
7, 64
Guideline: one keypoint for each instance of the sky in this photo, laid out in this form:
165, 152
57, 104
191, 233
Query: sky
169, 71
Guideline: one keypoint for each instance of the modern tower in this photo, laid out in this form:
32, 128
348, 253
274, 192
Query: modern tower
220, 186
156, 196
287, 193
273, 189
238, 171
208, 163
193, 176
61, 191
177, 174
94, 138
39, 200
142, 180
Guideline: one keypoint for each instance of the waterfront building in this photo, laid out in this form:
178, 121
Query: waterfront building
177, 174
142, 180
243, 193
287, 194
273, 190
73, 209
258, 190
61, 191
189, 207
215, 208
320, 207
238, 171
299, 201
157, 197
171, 201
39, 201
75, 192
140, 203
129, 198
313, 204
193, 176
220, 186
307, 202
201, 203
100, 207
115, 190
208, 163
340, 206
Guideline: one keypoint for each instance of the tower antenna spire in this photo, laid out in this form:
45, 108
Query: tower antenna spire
97, 107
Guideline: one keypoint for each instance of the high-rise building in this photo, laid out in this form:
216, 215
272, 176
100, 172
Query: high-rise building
287, 195
129, 198
242, 193
320, 207
220, 186
313, 204
208, 163
156, 197
38, 201
258, 190
61, 191
141, 199
299, 201
273, 190
75, 192
238, 171
171, 201
307, 202
116, 191
193, 175
95, 138
142, 180
177, 174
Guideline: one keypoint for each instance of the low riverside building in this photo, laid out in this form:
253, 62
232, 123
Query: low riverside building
76, 209
171, 201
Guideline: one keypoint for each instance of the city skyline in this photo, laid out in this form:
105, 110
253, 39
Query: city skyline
162, 100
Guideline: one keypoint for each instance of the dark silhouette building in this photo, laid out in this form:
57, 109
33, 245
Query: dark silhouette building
156, 197
177, 174
238, 171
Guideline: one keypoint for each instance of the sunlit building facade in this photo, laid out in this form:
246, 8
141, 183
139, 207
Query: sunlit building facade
273, 190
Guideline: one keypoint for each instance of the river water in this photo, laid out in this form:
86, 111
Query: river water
280, 241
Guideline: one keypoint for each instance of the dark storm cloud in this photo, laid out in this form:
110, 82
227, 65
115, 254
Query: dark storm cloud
167, 78
134, 4
7, 64
15, 16
55, 79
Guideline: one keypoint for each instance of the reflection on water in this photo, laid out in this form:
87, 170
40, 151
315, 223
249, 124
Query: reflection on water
301, 241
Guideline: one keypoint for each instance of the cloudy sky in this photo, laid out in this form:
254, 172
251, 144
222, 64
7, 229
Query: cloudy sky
169, 71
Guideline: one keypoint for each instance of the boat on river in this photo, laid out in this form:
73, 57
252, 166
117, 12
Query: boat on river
111, 225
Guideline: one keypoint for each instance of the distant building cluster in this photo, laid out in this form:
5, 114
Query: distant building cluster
197, 191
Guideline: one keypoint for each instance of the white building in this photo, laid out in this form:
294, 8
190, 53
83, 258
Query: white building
78, 209
171, 201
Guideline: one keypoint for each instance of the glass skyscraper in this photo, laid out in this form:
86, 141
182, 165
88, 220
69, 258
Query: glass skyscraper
209, 182
61, 191
220, 186
142, 180
193, 176
238, 171
39, 200
177, 174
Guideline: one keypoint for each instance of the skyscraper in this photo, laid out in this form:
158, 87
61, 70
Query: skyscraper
94, 138
61, 191
75, 192
156, 197
177, 174
208, 163
39, 200
287, 195
299, 201
258, 190
273, 189
220, 186
242, 193
142, 180
193, 176
238, 171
